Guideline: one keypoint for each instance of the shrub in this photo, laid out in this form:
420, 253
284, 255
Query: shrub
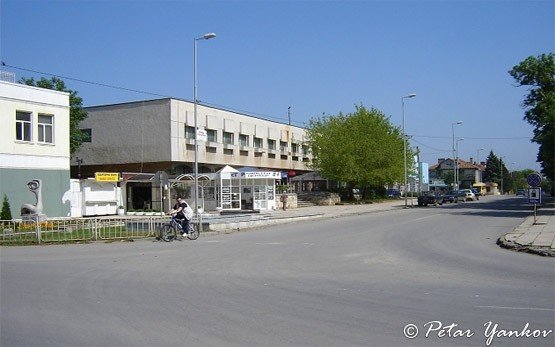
6, 213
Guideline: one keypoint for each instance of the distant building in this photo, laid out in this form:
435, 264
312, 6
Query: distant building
34, 144
469, 172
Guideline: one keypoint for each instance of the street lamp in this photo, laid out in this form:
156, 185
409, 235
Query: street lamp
454, 154
478, 164
206, 36
457, 160
405, 142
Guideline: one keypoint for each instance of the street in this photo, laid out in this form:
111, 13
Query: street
352, 281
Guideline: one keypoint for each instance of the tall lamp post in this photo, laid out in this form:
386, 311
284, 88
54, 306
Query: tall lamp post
405, 143
457, 160
478, 164
454, 154
206, 36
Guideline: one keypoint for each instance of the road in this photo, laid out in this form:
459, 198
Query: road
352, 281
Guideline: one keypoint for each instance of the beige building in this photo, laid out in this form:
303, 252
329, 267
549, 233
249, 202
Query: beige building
159, 135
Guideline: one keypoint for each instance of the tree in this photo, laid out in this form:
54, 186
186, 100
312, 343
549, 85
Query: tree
76, 112
362, 148
497, 172
6, 213
539, 74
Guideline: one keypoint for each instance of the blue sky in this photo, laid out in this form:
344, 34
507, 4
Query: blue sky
318, 57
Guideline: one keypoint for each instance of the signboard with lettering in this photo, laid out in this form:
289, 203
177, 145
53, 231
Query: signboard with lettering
535, 195
106, 176
202, 134
257, 174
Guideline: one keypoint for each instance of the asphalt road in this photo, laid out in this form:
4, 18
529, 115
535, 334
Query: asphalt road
353, 281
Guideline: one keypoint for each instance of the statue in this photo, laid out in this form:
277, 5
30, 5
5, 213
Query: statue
30, 211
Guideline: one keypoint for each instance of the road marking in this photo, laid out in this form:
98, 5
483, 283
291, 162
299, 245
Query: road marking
518, 308
270, 243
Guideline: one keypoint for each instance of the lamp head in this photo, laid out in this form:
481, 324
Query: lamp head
208, 36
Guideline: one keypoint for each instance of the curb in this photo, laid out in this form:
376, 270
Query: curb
517, 247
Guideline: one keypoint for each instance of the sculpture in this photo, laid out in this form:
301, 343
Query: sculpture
30, 211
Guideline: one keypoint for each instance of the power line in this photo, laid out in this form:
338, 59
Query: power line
474, 138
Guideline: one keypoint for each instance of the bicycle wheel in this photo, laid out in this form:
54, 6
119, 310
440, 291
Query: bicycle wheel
193, 231
167, 232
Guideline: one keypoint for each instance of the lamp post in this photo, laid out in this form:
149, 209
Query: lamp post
501, 168
478, 164
454, 154
405, 143
206, 36
457, 160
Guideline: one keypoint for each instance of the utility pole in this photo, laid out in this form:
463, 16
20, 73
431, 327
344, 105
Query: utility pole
289, 114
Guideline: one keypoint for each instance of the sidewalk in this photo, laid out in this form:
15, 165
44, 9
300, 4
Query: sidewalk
538, 238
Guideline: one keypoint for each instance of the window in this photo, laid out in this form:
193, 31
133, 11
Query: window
87, 135
257, 142
189, 132
23, 126
243, 140
271, 144
212, 135
294, 147
283, 146
45, 127
228, 138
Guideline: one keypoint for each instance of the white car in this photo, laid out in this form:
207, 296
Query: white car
466, 195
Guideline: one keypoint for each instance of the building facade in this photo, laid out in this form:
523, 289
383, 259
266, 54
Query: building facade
469, 172
34, 145
159, 135
156, 135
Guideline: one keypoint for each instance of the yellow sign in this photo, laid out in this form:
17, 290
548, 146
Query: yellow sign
106, 176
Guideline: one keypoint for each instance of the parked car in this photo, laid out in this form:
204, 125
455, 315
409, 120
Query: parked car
477, 193
466, 195
520, 192
450, 196
393, 193
429, 198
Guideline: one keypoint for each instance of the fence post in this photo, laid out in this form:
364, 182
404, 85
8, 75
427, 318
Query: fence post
37, 229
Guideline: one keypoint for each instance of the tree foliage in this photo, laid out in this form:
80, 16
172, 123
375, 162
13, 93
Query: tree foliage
76, 112
497, 172
362, 148
539, 74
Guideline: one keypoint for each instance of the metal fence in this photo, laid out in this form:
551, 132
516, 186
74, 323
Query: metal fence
80, 229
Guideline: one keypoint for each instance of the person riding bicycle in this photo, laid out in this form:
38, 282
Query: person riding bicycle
182, 212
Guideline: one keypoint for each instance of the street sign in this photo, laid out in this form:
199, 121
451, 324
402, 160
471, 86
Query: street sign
202, 135
535, 195
534, 180
161, 178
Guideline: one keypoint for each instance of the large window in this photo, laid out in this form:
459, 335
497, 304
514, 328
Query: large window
23, 126
46, 128
212, 135
189, 132
271, 144
228, 138
257, 142
243, 140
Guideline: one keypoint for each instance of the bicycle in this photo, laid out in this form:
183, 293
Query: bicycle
170, 231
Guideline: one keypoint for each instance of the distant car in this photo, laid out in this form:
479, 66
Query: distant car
450, 196
393, 193
466, 195
477, 193
520, 192
429, 198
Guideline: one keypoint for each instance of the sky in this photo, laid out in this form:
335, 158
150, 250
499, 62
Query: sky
316, 57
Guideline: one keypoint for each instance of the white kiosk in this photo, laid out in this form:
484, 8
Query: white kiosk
246, 188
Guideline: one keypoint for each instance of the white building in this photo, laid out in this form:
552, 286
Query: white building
159, 135
34, 144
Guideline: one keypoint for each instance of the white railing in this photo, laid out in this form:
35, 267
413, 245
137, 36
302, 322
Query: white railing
81, 229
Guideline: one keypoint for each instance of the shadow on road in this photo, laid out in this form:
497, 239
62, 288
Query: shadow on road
516, 207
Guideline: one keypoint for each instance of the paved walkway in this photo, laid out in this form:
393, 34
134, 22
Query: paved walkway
538, 238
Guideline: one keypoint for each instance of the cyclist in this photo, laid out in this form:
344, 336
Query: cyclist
180, 210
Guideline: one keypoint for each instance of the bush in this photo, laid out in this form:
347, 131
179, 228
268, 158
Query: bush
6, 213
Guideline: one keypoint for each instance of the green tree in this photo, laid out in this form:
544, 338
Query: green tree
497, 172
362, 149
76, 112
6, 213
539, 74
